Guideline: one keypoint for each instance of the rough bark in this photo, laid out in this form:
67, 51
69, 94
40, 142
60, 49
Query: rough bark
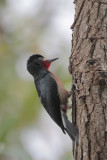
88, 66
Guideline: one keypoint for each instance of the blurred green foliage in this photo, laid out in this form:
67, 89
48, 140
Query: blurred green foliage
19, 103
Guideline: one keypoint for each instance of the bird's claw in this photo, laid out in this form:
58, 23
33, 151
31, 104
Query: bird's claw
69, 93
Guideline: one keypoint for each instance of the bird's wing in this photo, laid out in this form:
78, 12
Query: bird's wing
48, 93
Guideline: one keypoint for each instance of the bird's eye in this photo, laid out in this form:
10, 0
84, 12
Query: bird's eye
37, 63
41, 58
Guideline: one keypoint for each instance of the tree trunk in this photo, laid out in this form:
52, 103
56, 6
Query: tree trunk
88, 66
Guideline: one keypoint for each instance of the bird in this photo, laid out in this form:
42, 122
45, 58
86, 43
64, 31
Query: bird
52, 94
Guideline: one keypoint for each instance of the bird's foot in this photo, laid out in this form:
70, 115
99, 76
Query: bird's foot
69, 93
74, 86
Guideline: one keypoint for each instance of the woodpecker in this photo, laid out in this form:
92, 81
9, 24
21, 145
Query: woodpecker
52, 94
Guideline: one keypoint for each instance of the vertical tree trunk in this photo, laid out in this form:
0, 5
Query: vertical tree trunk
88, 66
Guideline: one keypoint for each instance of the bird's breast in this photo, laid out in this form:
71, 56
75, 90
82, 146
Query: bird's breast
63, 93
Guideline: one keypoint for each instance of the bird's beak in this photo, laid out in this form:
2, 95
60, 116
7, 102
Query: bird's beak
51, 60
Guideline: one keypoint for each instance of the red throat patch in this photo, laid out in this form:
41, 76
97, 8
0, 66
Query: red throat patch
46, 64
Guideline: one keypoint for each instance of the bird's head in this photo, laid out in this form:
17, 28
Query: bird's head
36, 62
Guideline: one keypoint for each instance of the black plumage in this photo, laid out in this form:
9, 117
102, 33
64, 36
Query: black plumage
47, 88
48, 93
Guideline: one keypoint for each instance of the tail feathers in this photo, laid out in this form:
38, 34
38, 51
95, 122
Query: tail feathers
71, 129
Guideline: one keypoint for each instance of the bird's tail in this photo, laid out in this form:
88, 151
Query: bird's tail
71, 129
